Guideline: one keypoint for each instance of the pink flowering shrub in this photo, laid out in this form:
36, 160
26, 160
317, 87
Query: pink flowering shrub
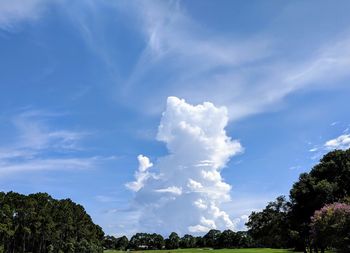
330, 227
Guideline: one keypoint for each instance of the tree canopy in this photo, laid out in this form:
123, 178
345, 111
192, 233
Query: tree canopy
40, 224
330, 226
287, 223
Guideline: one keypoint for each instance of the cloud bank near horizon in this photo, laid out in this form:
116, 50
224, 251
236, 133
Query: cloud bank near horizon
183, 191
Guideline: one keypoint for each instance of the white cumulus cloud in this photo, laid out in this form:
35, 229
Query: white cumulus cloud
172, 189
141, 175
183, 191
341, 142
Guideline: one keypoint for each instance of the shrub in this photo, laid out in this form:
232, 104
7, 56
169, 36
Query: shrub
330, 227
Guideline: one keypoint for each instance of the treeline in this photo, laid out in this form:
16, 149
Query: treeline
213, 239
317, 214
38, 223
315, 217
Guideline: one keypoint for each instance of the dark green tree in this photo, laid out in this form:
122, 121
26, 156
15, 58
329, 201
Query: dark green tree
228, 239
110, 242
270, 227
327, 182
173, 242
188, 241
38, 223
122, 243
211, 239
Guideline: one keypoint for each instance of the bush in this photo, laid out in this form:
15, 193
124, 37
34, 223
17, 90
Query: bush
330, 227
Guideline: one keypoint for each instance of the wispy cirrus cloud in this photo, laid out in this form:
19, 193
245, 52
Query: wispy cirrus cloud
182, 57
15, 11
37, 146
241, 73
46, 164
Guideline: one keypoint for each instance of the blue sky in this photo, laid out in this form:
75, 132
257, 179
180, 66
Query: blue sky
84, 87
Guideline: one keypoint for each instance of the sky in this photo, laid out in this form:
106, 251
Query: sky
162, 116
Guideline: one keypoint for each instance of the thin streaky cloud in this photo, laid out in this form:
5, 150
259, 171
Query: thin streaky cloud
16, 11
172, 36
40, 164
35, 138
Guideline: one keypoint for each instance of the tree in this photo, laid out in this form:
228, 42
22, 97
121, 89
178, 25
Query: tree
38, 223
270, 227
199, 242
110, 242
327, 182
144, 241
188, 241
330, 227
227, 239
173, 242
245, 240
138, 241
122, 243
211, 239
156, 241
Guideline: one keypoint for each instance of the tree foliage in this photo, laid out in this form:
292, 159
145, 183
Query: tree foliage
110, 242
146, 241
327, 182
270, 227
284, 224
173, 242
188, 241
330, 226
38, 223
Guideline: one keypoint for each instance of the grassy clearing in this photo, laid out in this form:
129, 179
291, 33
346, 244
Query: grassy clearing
211, 251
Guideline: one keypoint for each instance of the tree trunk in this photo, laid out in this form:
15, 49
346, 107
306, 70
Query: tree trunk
14, 244
24, 244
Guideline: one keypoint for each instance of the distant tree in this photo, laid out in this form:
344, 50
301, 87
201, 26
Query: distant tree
173, 242
245, 240
188, 241
143, 241
199, 242
228, 239
155, 241
211, 239
122, 243
138, 241
330, 227
110, 242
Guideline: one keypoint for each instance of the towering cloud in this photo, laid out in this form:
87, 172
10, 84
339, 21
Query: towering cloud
183, 191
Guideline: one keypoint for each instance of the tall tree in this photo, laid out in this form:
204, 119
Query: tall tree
327, 182
40, 224
270, 227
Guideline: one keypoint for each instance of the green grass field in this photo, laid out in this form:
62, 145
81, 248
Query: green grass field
212, 251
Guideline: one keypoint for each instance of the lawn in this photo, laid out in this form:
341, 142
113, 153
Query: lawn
212, 251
